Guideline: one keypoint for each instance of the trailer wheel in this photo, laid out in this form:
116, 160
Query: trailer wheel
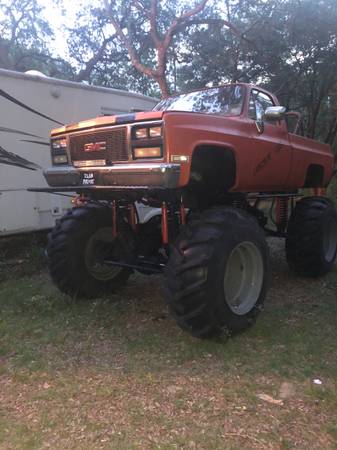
78, 246
218, 273
311, 242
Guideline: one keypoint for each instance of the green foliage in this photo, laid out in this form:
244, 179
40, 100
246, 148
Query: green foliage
24, 39
306, 73
97, 55
289, 47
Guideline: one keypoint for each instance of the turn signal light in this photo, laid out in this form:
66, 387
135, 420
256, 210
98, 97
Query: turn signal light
60, 159
147, 152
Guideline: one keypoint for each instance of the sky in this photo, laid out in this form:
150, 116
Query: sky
60, 17
57, 17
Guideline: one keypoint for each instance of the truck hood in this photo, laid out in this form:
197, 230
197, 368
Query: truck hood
109, 120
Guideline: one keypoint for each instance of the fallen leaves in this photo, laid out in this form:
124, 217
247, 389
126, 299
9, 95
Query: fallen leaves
269, 399
173, 389
287, 390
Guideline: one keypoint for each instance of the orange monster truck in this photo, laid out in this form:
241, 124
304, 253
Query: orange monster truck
223, 172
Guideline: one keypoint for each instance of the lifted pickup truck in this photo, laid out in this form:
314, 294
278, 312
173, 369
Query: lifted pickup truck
223, 172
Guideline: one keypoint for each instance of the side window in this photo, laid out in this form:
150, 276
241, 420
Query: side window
251, 107
258, 103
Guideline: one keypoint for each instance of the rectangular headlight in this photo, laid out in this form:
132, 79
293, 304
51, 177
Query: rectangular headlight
155, 131
59, 144
147, 152
141, 133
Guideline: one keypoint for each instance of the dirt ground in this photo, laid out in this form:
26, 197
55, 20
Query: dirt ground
117, 373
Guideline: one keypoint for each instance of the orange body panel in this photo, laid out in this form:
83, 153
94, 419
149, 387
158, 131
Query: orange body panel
272, 160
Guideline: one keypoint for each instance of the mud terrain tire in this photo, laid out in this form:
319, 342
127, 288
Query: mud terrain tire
311, 242
218, 273
80, 239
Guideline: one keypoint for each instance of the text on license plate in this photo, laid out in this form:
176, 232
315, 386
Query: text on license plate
88, 179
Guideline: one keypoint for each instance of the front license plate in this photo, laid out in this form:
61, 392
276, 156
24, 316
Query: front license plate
88, 179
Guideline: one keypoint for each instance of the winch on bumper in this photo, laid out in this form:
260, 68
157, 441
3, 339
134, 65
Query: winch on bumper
162, 175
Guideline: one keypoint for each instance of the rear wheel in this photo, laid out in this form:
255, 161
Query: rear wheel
218, 273
78, 247
311, 242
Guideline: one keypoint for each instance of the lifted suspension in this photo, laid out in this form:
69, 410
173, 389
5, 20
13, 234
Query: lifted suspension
164, 224
114, 218
281, 214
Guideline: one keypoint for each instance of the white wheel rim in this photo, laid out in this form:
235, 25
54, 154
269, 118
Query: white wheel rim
330, 240
243, 277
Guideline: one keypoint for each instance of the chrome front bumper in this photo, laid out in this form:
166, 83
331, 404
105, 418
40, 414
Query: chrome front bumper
140, 175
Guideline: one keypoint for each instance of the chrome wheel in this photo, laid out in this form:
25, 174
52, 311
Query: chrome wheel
243, 277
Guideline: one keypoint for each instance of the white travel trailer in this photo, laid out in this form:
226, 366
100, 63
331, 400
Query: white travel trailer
30, 106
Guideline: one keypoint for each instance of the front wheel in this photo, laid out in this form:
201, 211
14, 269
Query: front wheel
218, 272
78, 248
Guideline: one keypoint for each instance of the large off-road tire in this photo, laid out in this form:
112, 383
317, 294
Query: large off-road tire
218, 273
311, 242
77, 247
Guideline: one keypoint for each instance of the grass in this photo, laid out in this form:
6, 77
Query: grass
117, 373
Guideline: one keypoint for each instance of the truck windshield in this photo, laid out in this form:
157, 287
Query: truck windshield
224, 100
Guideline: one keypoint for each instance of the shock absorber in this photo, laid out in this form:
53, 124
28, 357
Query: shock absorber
132, 216
182, 213
171, 219
281, 213
114, 210
164, 223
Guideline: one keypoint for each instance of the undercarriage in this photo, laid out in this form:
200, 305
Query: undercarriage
215, 258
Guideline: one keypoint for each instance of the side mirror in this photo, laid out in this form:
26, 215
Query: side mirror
274, 113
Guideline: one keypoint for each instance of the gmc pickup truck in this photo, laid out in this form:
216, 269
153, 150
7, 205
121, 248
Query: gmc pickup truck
222, 171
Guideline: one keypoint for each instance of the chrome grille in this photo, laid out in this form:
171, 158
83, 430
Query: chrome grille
115, 140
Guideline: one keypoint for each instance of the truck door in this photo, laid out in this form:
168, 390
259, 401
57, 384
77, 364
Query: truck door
270, 144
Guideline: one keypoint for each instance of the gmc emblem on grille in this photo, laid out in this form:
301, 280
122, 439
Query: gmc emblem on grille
95, 146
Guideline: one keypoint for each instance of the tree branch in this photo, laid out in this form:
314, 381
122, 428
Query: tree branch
221, 22
153, 23
127, 42
162, 44
91, 63
178, 21
192, 12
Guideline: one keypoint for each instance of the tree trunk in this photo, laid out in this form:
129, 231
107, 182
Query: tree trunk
332, 132
162, 82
